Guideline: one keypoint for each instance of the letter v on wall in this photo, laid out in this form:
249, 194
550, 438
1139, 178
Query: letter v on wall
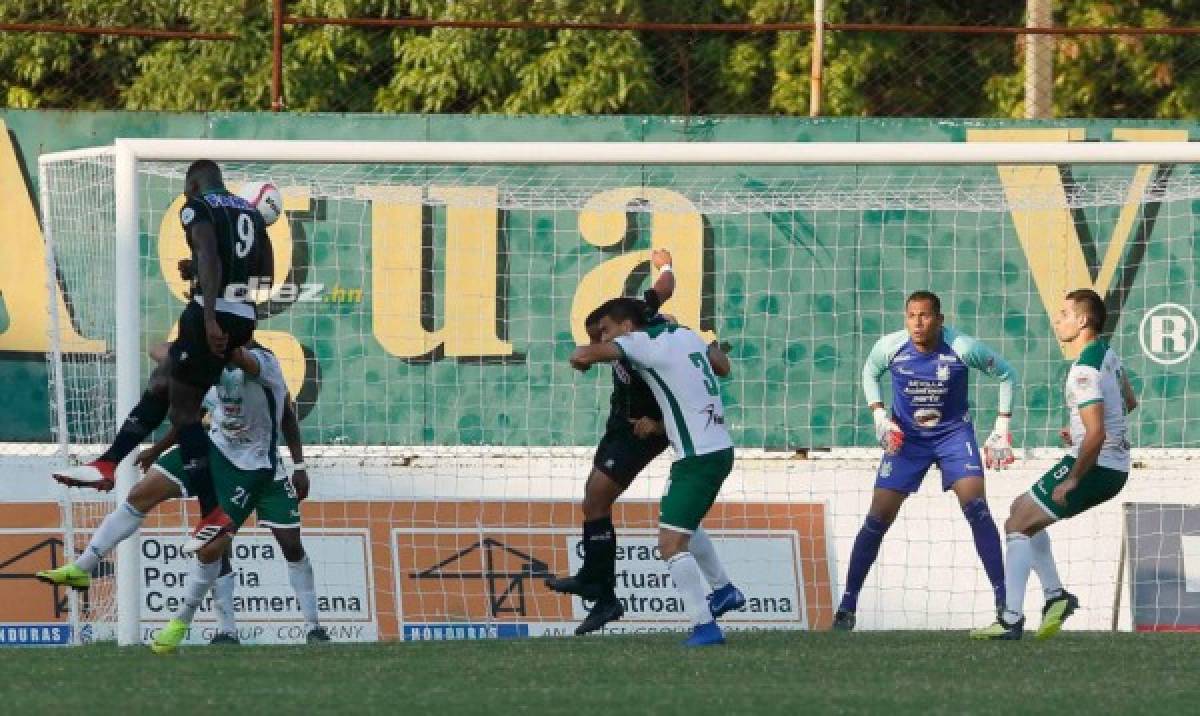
23, 269
1047, 230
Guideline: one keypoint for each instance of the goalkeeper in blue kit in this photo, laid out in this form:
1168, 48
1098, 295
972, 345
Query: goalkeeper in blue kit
930, 423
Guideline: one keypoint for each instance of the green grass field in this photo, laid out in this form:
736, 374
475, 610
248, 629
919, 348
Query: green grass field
924, 672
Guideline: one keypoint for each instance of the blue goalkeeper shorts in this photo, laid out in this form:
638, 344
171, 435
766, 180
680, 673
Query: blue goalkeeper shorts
955, 453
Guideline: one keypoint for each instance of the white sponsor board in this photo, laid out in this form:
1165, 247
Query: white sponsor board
764, 565
267, 609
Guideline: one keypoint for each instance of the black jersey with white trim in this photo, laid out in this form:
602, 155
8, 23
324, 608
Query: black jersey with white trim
241, 238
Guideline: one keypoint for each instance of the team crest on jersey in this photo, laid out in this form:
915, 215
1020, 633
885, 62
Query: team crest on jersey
943, 372
1083, 380
187, 215
885, 470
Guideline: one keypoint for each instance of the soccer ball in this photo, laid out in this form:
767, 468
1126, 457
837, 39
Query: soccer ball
264, 196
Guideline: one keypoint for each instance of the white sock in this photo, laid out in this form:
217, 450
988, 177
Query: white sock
300, 574
1018, 561
117, 525
689, 580
1043, 565
223, 602
702, 549
200, 579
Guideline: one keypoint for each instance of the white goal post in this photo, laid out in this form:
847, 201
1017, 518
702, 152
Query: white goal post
939, 205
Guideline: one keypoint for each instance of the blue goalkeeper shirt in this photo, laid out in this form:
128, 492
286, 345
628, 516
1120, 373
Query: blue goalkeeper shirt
929, 390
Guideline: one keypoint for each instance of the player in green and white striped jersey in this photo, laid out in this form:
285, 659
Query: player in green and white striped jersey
1098, 397
677, 365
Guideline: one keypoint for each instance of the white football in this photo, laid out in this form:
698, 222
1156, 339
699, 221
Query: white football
264, 196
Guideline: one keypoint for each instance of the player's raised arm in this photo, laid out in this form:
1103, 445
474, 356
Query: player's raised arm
664, 287
997, 450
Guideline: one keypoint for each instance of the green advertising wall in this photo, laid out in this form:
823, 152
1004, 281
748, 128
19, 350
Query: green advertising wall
800, 297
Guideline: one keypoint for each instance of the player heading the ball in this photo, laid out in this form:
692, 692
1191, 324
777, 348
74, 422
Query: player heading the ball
675, 363
229, 245
1098, 397
930, 423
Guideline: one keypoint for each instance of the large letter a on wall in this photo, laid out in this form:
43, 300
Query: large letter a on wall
23, 270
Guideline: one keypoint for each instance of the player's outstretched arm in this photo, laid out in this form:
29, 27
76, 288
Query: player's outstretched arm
585, 357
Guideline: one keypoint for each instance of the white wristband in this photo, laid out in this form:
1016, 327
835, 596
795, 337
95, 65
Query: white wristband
666, 268
299, 466
1001, 424
880, 415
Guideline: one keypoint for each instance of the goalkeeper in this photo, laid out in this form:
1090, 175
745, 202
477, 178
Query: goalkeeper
930, 423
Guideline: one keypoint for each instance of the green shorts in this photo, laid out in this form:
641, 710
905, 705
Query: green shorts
692, 489
239, 491
1097, 486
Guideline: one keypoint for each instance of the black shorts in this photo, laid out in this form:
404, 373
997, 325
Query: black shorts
191, 360
622, 455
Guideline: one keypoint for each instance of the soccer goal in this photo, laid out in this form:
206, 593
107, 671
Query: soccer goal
428, 294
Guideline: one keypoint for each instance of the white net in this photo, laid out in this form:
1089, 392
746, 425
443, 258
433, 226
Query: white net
79, 226
428, 312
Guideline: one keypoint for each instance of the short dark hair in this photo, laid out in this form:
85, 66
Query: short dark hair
205, 171
1093, 307
929, 296
626, 309
595, 316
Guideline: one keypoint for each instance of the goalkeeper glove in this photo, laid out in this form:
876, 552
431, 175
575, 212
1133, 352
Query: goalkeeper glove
998, 450
889, 434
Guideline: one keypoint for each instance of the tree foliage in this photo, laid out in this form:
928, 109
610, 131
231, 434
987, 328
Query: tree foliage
573, 71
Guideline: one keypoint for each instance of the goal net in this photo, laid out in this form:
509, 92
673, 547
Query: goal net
426, 304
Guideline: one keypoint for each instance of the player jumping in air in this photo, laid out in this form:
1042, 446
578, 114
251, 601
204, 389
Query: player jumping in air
634, 436
675, 363
250, 407
229, 245
1098, 397
930, 423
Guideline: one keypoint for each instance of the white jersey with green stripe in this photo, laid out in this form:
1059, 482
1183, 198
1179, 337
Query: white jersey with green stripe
674, 362
1096, 378
246, 412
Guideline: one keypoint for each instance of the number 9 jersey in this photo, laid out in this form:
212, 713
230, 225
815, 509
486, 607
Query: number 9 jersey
242, 247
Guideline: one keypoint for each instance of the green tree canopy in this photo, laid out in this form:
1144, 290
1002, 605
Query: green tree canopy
575, 71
